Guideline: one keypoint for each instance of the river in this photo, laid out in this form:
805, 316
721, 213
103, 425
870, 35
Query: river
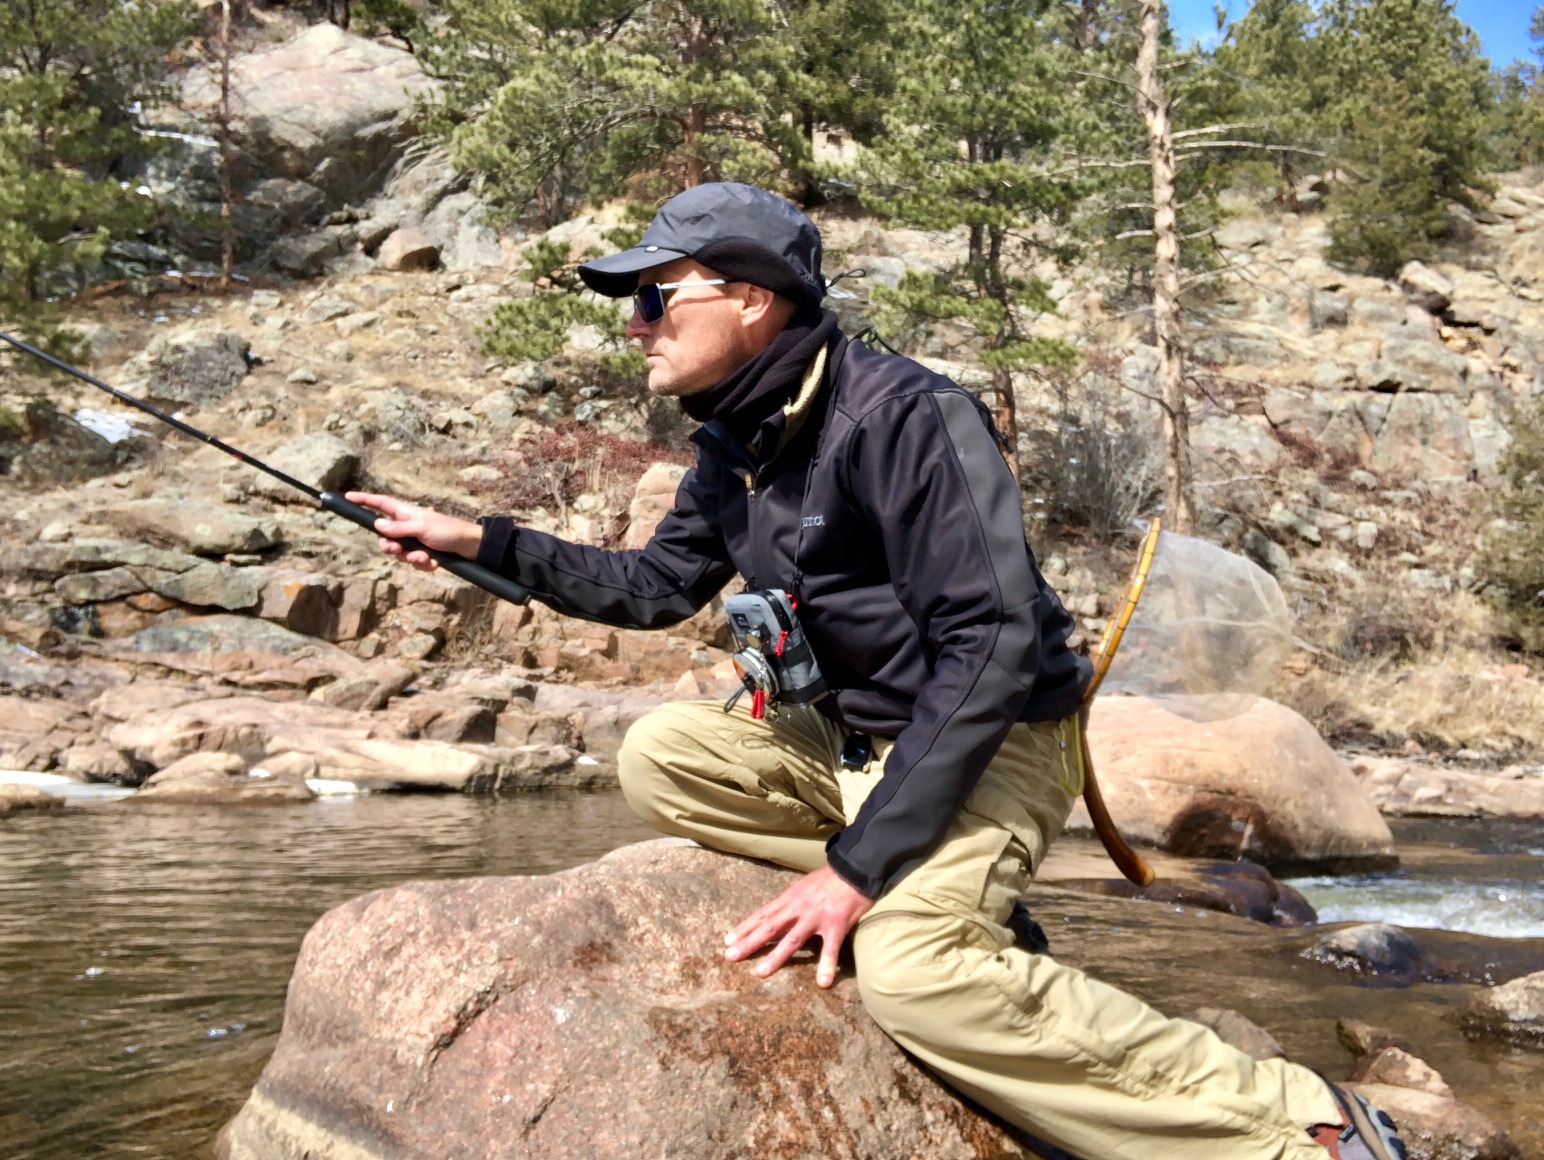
144, 950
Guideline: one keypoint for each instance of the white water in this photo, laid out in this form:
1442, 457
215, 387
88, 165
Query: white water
1500, 908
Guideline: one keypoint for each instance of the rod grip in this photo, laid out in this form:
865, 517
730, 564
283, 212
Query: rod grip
468, 570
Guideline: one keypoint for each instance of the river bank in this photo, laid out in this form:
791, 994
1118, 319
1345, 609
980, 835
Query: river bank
148, 950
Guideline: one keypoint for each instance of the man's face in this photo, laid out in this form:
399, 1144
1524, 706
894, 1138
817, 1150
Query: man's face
703, 336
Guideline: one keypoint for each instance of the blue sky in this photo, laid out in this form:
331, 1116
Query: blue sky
1502, 24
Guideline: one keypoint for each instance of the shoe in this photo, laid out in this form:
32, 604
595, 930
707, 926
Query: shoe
1364, 1133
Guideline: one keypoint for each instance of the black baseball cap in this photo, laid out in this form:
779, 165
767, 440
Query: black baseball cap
741, 232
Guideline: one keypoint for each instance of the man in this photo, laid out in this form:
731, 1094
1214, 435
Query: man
922, 792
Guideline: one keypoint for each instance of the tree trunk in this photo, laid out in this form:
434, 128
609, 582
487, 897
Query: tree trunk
696, 124
223, 122
1154, 104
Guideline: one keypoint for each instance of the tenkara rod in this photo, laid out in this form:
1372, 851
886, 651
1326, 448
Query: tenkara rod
1127, 860
331, 501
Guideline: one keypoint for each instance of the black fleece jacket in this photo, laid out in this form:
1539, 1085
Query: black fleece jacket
920, 596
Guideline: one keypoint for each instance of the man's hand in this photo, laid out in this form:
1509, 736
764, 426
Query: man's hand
820, 904
430, 528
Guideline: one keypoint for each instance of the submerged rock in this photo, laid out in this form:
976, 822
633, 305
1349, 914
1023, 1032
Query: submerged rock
1373, 948
1435, 1127
224, 779
1262, 786
583, 1015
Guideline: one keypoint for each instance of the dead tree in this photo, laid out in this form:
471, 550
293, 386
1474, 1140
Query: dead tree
1154, 106
223, 136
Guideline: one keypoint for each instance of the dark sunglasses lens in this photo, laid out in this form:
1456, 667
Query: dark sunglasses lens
650, 301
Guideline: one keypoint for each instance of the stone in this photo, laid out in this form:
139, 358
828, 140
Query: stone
222, 779
305, 255
98, 761
306, 603
652, 500
351, 324
1512, 1011
200, 527
302, 377
193, 367
1428, 289
326, 107
1366, 535
1267, 553
458, 994
498, 407
214, 586
458, 224
418, 646
1399, 1068
51, 448
1410, 361
1326, 308
320, 459
1371, 949
407, 249
326, 307
1262, 785
1240, 888
1362, 1038
1237, 1031
109, 584
1434, 1128
369, 689
296, 202
1424, 434
16, 798
238, 648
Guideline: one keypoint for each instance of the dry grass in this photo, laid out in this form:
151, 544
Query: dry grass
1463, 699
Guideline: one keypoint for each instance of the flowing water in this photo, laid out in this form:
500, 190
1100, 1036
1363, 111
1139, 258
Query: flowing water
144, 950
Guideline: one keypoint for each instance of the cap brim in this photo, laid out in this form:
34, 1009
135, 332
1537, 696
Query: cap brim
616, 276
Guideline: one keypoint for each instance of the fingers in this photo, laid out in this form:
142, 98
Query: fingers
830, 947
790, 942
381, 503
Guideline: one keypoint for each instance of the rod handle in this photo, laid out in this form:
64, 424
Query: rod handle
468, 570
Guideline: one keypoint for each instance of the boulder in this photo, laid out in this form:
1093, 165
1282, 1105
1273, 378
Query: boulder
1373, 949
325, 107
16, 798
51, 448
652, 500
1262, 785
92, 554
1437, 1128
296, 202
584, 1015
200, 527
1431, 291
303, 602
1240, 888
407, 250
108, 584
371, 688
1512, 1011
214, 586
223, 779
1399, 1068
320, 459
193, 367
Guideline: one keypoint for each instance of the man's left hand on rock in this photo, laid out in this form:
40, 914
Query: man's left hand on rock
821, 905
432, 529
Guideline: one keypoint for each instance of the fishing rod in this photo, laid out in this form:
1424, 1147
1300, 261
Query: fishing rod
331, 501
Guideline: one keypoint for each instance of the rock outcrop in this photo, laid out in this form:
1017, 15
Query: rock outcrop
1404, 788
1263, 786
325, 107
585, 1015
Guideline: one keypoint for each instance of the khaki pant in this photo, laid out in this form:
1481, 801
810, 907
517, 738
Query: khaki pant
1068, 1058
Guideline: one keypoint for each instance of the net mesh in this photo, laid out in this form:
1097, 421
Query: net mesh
1209, 635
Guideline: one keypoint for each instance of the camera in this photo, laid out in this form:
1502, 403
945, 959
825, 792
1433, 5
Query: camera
772, 655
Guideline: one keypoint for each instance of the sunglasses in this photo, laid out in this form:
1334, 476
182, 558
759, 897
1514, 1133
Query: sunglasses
649, 300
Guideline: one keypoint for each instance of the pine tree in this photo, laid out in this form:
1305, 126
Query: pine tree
1396, 95
559, 101
71, 73
970, 142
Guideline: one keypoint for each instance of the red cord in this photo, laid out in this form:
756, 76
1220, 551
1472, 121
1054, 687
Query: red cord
759, 704
780, 641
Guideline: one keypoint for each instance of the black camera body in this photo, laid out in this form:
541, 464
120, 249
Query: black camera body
772, 655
